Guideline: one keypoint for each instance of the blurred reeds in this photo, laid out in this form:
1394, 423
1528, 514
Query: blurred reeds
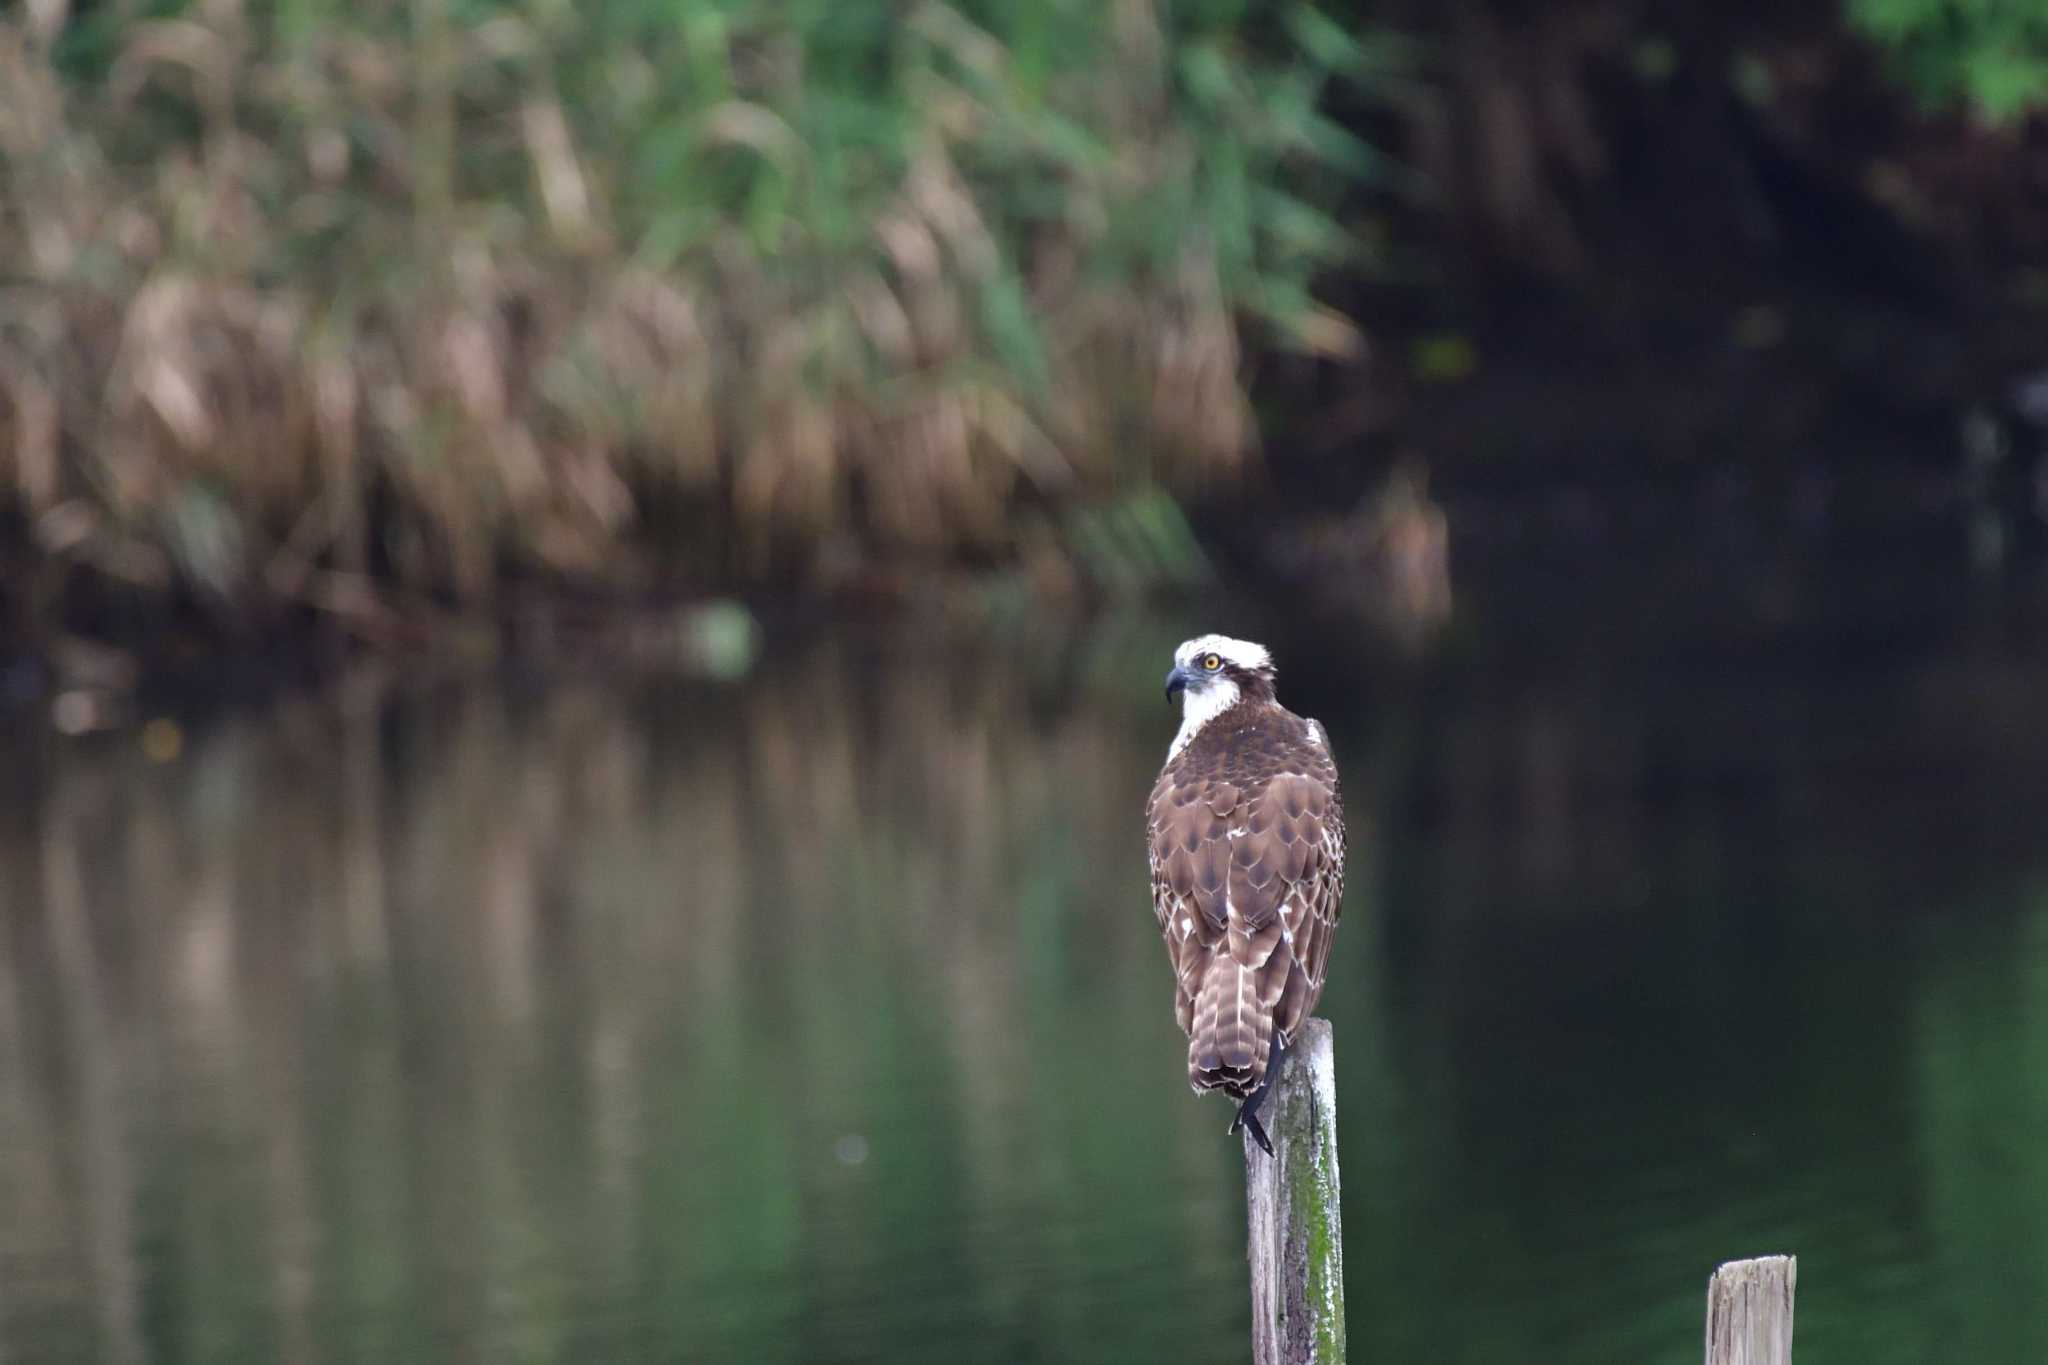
311, 301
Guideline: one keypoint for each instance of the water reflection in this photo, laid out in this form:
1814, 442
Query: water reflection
822, 1018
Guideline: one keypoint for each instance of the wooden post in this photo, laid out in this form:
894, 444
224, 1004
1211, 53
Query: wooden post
1296, 1236
1749, 1312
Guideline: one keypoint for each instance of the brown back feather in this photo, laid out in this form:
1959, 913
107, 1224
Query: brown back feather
1247, 852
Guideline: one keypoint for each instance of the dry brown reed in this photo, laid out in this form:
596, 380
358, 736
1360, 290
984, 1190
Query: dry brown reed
399, 297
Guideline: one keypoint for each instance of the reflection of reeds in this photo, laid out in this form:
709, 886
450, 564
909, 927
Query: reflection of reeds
429, 292
489, 1026
516, 1024
102, 1175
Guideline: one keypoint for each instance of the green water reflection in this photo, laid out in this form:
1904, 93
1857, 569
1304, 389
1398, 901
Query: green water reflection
821, 1018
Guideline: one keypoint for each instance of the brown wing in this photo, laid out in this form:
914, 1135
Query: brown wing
1247, 879
1190, 855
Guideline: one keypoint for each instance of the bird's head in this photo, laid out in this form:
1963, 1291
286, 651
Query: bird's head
1213, 672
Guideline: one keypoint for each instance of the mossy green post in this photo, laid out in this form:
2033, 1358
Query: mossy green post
1296, 1234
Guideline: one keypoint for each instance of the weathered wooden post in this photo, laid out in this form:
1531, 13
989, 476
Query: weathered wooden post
1296, 1245
1749, 1312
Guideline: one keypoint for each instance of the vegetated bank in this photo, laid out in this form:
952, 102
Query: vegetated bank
382, 318
340, 312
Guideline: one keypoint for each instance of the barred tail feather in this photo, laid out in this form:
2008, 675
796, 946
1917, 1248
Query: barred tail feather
1233, 1030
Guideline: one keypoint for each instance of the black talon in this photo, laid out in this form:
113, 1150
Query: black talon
1248, 1112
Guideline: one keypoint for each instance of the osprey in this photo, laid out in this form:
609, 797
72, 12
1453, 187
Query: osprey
1247, 854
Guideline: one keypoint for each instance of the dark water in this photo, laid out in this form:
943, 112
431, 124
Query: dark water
822, 1018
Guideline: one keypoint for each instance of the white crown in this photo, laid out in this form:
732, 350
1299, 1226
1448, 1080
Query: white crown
1243, 653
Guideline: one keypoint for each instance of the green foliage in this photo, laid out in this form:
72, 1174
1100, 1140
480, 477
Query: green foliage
533, 270
1136, 543
1990, 54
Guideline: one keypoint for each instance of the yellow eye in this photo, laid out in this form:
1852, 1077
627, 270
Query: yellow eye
1211, 662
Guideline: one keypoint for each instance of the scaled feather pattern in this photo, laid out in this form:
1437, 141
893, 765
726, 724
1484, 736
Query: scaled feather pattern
1246, 832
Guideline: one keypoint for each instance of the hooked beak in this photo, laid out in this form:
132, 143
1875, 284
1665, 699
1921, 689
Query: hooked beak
1176, 682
